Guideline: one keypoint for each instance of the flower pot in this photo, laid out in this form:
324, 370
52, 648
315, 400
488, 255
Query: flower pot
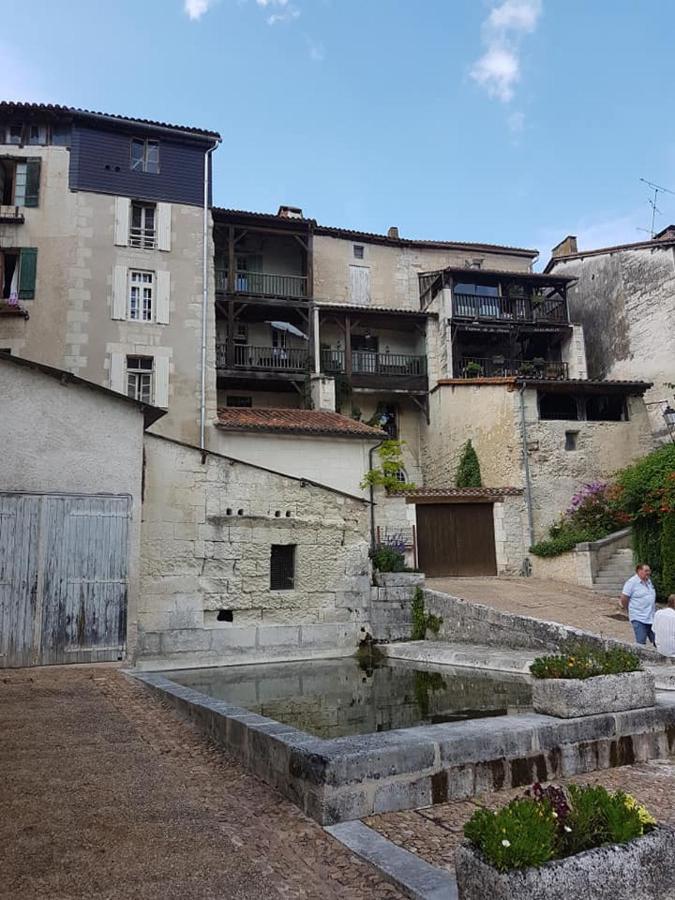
568, 698
643, 869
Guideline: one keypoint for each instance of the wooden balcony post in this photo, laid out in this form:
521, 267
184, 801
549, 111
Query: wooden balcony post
348, 345
231, 261
229, 347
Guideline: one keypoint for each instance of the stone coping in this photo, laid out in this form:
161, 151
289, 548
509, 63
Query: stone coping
351, 777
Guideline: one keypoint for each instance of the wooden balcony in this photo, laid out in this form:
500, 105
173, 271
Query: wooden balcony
500, 367
264, 284
509, 309
283, 360
370, 369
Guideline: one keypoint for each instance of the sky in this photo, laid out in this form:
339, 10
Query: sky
504, 121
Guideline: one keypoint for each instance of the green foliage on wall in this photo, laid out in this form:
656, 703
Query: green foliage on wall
468, 470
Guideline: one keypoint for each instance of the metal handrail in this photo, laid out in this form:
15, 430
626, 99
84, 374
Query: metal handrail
289, 359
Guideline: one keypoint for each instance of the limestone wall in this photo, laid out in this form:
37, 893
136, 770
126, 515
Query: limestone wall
626, 304
207, 532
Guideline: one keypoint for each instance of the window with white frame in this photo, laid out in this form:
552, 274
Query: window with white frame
140, 378
144, 156
143, 227
141, 291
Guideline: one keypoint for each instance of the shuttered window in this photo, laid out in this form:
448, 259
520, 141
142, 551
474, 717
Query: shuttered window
27, 272
32, 194
139, 378
282, 567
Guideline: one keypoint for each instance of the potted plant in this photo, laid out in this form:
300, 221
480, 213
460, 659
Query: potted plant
527, 368
559, 843
590, 682
473, 370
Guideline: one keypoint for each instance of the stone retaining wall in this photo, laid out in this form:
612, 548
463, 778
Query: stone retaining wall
391, 604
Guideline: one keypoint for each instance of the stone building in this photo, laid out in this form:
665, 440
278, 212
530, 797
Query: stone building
624, 297
102, 234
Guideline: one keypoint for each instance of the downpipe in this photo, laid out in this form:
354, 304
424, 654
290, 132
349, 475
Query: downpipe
205, 299
526, 568
372, 450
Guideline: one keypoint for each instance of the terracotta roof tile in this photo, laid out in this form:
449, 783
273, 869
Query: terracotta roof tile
295, 421
486, 492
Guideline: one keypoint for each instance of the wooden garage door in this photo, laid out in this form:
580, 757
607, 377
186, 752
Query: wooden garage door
63, 578
456, 539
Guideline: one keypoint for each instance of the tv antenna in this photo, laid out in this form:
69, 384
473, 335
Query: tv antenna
658, 189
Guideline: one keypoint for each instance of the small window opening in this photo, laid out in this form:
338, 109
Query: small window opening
282, 567
358, 251
241, 402
225, 615
240, 512
288, 513
277, 514
571, 440
606, 408
401, 476
228, 512
558, 406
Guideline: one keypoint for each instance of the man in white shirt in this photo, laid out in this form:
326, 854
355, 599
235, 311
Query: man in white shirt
664, 628
639, 598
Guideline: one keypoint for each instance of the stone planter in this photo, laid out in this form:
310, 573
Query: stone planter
643, 869
568, 698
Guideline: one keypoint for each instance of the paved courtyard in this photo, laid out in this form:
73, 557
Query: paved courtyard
106, 794
553, 601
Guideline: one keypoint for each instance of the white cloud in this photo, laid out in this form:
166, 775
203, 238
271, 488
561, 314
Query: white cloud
195, 9
498, 69
286, 12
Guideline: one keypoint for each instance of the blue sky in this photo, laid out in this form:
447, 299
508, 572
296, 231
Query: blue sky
512, 121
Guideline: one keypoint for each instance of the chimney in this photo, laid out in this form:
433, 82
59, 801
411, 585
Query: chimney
393, 233
566, 247
290, 212
667, 234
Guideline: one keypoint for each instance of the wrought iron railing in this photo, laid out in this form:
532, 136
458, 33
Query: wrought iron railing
514, 309
369, 362
264, 283
284, 359
500, 366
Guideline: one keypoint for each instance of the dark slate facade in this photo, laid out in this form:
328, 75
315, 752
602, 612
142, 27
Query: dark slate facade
100, 162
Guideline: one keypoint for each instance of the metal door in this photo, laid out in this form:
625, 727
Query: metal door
63, 578
456, 539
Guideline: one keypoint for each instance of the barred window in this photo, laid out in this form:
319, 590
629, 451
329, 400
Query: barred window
282, 567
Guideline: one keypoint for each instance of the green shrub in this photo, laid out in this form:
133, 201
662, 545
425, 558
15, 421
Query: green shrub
554, 822
386, 475
641, 485
591, 515
667, 562
422, 621
468, 470
388, 558
564, 542
586, 663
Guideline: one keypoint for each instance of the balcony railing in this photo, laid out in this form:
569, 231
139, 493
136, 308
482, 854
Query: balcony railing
510, 309
11, 215
500, 367
274, 359
368, 362
264, 284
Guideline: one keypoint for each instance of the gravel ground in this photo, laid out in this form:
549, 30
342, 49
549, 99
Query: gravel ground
106, 794
434, 833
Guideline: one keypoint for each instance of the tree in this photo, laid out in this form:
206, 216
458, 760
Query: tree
468, 470
388, 473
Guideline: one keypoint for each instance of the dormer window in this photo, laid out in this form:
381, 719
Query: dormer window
144, 156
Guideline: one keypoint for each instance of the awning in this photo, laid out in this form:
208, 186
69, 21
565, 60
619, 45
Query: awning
286, 326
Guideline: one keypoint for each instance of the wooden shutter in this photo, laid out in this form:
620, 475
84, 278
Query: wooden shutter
119, 293
122, 212
359, 285
162, 297
163, 226
161, 397
27, 272
32, 181
118, 365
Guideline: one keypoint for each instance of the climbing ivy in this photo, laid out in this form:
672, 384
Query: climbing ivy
422, 621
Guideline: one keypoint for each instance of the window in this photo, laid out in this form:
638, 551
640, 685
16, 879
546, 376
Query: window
358, 251
19, 182
241, 402
143, 232
571, 440
141, 286
139, 378
558, 406
282, 567
606, 408
18, 271
37, 134
14, 134
144, 156
401, 476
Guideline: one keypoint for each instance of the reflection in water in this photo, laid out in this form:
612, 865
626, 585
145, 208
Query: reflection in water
338, 697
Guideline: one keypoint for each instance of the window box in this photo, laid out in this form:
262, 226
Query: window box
569, 698
644, 868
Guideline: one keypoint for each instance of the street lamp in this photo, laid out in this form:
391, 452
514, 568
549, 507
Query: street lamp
669, 419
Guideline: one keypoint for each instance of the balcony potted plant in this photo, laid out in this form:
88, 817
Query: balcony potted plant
555, 843
589, 682
473, 370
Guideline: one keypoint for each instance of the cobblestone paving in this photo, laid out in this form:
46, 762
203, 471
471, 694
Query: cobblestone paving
434, 833
553, 601
106, 794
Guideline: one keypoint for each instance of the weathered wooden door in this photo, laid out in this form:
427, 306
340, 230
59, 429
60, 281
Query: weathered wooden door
359, 285
63, 578
456, 539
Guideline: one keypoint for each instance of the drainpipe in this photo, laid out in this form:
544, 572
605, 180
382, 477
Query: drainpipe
205, 298
372, 493
526, 466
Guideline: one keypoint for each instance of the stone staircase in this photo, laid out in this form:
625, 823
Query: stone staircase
614, 573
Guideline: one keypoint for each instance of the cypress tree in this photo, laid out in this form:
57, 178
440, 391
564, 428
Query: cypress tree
468, 470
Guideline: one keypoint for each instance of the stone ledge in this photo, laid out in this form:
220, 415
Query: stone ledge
571, 698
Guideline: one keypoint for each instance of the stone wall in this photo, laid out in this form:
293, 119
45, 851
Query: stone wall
391, 605
207, 531
626, 304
